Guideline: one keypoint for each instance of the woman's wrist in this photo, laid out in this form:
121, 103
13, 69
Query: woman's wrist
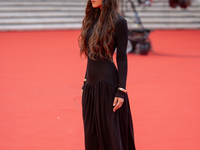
121, 92
84, 82
122, 89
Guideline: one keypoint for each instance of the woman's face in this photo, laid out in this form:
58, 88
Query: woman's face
96, 3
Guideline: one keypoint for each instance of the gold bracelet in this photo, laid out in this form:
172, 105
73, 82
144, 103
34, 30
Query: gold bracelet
122, 89
84, 80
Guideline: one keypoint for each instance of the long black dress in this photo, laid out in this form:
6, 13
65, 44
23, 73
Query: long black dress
103, 128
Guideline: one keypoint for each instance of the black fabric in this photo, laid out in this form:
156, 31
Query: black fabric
104, 128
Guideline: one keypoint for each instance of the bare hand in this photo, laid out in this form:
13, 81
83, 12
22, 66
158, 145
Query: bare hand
117, 103
81, 92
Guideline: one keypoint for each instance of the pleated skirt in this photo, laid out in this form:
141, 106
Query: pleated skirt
103, 128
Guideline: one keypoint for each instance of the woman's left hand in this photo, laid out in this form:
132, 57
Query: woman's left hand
117, 103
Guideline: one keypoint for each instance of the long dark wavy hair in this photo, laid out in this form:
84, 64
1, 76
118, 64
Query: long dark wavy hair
101, 41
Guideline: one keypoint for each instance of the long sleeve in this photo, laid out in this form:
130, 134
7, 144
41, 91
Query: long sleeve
121, 57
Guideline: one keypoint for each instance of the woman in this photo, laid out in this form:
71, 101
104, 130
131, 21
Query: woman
106, 112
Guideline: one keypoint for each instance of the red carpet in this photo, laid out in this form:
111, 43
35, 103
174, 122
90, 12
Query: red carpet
41, 75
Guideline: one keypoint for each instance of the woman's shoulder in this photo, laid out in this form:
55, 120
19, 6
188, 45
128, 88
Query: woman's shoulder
121, 21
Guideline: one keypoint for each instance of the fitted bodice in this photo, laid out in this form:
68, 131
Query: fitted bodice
99, 69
